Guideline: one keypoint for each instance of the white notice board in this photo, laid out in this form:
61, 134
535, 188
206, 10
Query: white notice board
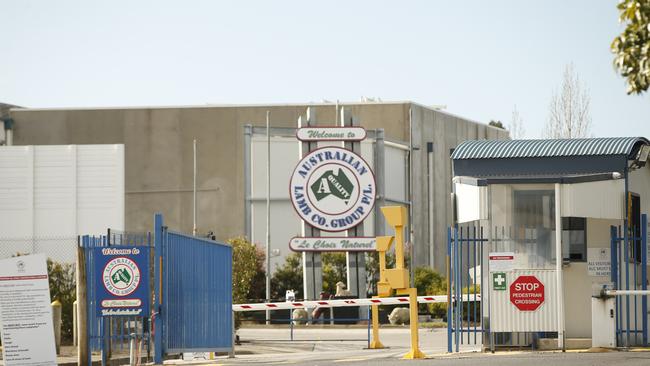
501, 261
599, 262
25, 312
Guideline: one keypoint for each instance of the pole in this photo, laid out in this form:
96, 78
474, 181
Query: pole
82, 314
194, 192
268, 213
558, 267
410, 198
158, 272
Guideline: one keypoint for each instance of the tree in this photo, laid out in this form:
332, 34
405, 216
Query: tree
517, 130
496, 124
632, 47
288, 277
569, 115
334, 270
245, 268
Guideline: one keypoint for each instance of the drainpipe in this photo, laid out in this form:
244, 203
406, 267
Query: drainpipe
9, 131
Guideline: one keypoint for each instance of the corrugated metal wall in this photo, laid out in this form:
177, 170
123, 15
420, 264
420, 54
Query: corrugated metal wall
505, 317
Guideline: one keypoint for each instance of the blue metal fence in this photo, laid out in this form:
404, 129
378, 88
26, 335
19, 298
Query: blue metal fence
464, 261
629, 272
111, 333
193, 292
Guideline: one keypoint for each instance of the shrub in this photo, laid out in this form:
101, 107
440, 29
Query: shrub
246, 267
63, 287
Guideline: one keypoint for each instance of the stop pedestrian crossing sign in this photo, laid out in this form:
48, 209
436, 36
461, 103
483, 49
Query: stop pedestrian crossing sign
527, 293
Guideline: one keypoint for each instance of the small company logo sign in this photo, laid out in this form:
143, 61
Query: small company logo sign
20, 265
121, 276
333, 189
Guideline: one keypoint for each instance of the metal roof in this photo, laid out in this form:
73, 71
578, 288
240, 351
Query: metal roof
500, 149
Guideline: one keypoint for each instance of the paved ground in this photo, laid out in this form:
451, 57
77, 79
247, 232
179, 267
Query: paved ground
316, 347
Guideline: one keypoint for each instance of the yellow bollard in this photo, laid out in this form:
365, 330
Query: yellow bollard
396, 279
415, 352
56, 322
375, 344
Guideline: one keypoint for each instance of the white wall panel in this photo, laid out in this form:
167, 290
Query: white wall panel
505, 317
284, 158
51, 194
600, 200
471, 202
100, 188
16, 191
396, 168
55, 190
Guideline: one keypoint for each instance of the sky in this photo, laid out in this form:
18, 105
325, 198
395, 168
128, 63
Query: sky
480, 59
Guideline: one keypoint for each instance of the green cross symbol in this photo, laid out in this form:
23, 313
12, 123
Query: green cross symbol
499, 281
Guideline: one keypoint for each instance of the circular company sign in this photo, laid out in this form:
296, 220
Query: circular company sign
527, 293
121, 276
332, 189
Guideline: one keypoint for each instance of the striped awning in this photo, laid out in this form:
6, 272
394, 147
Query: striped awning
500, 149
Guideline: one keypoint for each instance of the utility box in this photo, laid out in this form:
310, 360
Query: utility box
603, 320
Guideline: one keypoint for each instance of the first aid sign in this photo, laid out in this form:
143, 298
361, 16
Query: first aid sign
527, 293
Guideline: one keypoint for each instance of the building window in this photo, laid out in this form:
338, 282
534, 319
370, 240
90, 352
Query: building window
574, 238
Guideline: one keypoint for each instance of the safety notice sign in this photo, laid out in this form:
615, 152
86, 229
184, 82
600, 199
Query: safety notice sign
501, 261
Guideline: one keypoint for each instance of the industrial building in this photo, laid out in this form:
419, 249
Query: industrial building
158, 153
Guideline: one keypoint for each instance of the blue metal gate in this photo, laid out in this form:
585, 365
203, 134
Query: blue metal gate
629, 261
465, 323
193, 293
111, 334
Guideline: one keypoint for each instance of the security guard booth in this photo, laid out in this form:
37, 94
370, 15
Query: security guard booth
533, 199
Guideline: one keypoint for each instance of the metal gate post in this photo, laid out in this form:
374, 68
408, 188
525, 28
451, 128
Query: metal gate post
85, 242
157, 305
449, 298
614, 270
457, 284
644, 277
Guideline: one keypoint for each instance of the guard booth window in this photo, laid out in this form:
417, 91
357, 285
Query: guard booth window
534, 221
574, 239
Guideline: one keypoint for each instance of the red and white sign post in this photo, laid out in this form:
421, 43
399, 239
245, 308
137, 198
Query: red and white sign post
527, 293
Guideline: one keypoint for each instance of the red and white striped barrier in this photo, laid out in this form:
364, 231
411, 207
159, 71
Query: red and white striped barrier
350, 302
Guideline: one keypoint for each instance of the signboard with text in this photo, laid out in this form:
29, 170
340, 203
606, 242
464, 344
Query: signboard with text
599, 263
122, 286
332, 189
331, 133
333, 244
501, 261
26, 313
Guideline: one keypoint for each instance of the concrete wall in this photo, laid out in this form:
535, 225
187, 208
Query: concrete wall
158, 153
445, 131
